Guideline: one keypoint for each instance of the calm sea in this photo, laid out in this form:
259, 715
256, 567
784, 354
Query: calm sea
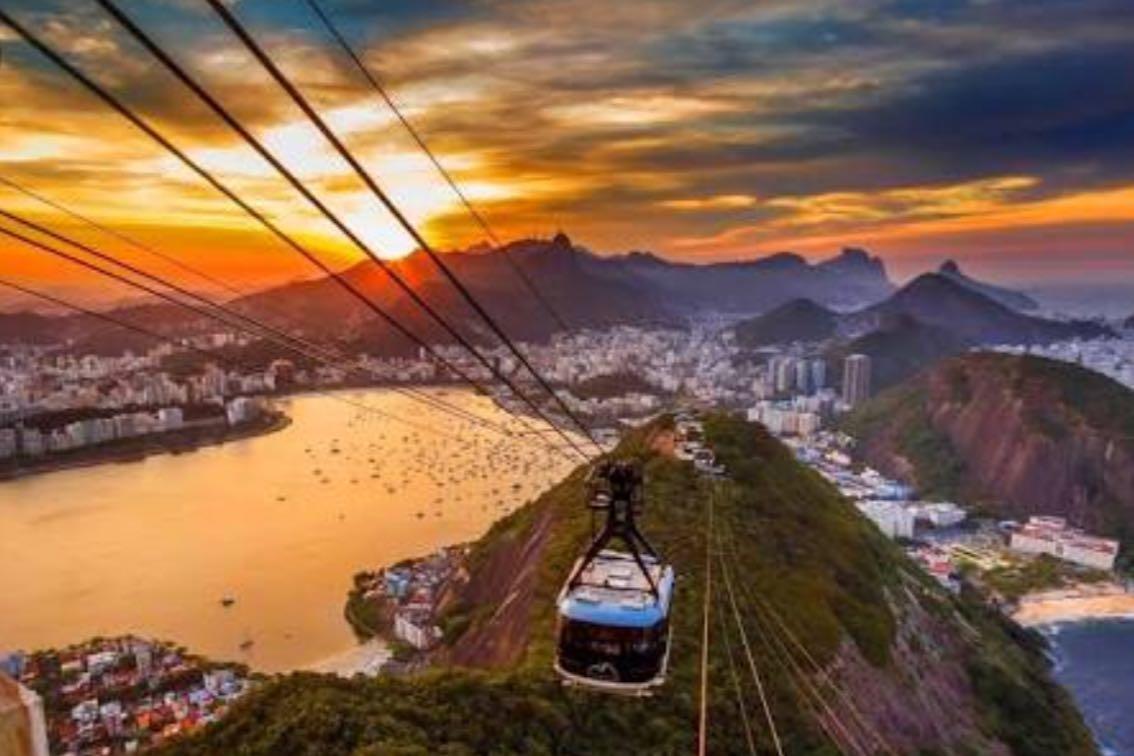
279, 523
1095, 661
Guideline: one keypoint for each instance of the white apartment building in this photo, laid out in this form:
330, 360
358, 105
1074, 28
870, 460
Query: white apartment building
1051, 535
893, 519
939, 514
416, 628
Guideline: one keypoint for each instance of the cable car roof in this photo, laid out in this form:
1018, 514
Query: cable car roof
613, 591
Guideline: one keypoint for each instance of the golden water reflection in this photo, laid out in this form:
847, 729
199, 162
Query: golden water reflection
279, 522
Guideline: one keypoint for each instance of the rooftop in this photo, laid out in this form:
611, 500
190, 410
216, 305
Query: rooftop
613, 591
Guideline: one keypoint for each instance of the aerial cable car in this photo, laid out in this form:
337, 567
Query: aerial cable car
613, 623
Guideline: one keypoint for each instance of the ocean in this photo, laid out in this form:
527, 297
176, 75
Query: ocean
1095, 661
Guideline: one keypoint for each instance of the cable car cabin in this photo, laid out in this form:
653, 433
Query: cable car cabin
614, 607
614, 624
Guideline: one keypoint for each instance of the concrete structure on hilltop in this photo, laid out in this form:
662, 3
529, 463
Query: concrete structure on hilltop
23, 731
856, 379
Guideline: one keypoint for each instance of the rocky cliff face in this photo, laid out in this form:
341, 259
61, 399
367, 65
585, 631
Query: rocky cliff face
1022, 434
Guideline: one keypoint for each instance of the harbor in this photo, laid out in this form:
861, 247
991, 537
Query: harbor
249, 560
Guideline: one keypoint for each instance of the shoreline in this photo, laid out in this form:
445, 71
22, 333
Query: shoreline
1069, 606
174, 442
178, 442
366, 658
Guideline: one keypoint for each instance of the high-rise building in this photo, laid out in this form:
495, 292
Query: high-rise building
803, 377
856, 379
818, 374
784, 368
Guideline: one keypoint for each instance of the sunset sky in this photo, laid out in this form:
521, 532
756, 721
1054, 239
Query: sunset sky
997, 132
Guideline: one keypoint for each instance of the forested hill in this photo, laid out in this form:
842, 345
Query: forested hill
924, 672
1021, 434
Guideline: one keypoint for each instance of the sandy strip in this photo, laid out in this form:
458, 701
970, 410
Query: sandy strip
364, 659
1043, 609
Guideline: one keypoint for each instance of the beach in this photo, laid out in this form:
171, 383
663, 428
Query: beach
1080, 603
364, 659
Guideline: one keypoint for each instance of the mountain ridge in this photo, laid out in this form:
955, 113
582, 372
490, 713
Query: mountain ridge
1021, 434
1008, 297
587, 291
940, 301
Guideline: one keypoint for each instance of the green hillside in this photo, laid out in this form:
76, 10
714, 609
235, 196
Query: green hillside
1017, 434
792, 549
899, 349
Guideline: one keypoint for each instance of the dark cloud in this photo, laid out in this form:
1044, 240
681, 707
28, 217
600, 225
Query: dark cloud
800, 97
1067, 114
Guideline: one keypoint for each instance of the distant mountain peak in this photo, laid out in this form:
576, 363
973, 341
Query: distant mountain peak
1007, 297
787, 258
800, 319
639, 256
858, 262
855, 253
934, 283
968, 312
562, 240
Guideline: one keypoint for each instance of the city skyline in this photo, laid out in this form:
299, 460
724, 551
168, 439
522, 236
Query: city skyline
989, 132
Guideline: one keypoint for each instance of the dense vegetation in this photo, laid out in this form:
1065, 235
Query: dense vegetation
787, 539
1101, 403
1010, 678
899, 349
938, 469
1042, 574
613, 384
1073, 429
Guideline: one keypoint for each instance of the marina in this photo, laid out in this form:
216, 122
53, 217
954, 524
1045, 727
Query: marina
252, 558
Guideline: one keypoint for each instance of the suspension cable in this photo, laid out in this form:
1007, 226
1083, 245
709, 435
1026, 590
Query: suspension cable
734, 674
297, 97
840, 732
143, 247
751, 660
209, 353
120, 236
703, 722
245, 323
137, 271
203, 312
384, 92
182, 75
824, 678
141, 124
